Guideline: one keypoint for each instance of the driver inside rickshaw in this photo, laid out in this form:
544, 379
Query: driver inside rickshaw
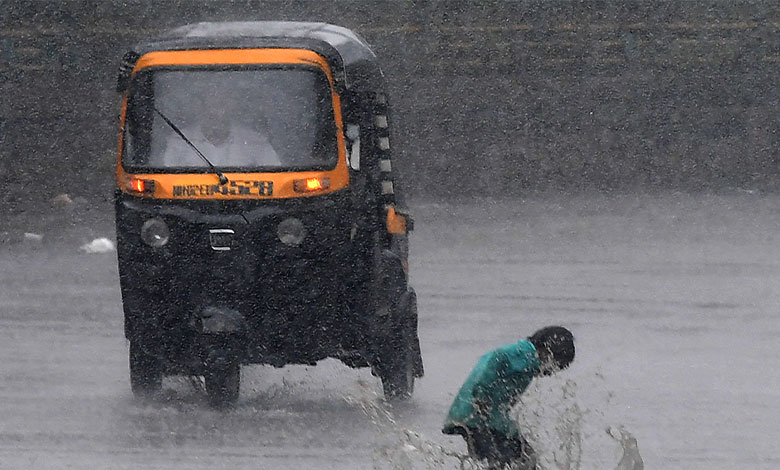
240, 120
221, 134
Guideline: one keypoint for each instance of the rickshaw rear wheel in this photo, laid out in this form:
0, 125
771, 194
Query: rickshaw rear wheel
398, 379
222, 385
145, 372
401, 351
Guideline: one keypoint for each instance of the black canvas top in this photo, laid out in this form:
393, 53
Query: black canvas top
353, 63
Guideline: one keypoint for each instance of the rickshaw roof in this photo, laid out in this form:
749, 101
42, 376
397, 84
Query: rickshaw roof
350, 57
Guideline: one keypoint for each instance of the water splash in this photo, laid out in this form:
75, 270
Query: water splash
551, 419
550, 416
560, 423
405, 449
631, 460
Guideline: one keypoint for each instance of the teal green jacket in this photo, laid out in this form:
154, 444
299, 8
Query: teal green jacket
492, 388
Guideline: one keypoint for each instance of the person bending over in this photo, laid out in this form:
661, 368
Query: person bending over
480, 412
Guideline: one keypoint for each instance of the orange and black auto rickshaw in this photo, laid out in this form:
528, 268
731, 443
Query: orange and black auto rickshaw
257, 212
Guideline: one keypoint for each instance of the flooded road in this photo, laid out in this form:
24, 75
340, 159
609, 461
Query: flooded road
673, 301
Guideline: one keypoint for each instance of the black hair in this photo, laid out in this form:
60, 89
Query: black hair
558, 340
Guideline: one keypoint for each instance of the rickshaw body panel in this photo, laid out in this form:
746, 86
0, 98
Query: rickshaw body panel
299, 304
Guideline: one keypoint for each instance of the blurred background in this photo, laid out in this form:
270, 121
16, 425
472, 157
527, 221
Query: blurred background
490, 98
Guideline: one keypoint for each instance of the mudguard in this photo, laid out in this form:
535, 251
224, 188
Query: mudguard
393, 276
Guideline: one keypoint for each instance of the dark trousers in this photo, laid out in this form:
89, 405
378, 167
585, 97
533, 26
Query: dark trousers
498, 449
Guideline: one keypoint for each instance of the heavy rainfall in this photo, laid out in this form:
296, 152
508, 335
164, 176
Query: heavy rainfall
611, 167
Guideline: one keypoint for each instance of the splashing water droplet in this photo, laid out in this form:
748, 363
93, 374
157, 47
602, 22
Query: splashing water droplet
631, 460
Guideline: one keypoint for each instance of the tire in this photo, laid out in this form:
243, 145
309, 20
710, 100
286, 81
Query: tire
145, 372
398, 379
222, 385
401, 355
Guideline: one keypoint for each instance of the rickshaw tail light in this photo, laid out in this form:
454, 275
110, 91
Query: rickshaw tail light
311, 184
140, 186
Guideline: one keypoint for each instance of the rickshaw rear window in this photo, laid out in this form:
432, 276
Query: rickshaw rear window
268, 119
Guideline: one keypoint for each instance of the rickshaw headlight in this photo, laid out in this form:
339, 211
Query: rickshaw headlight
155, 233
291, 232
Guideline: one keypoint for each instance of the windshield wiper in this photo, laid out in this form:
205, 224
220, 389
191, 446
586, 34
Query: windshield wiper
222, 178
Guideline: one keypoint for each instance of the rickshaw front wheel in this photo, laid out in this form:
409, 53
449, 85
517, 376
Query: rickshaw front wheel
145, 372
223, 384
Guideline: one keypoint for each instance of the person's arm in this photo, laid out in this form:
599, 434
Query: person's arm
484, 390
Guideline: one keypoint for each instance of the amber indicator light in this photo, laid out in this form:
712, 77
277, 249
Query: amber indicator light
311, 184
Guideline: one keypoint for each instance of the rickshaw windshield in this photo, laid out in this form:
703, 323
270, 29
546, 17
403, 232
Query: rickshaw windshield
241, 119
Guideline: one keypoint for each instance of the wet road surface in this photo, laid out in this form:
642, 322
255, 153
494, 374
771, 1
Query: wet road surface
673, 300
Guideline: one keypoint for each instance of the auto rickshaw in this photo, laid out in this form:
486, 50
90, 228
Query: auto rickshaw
257, 216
